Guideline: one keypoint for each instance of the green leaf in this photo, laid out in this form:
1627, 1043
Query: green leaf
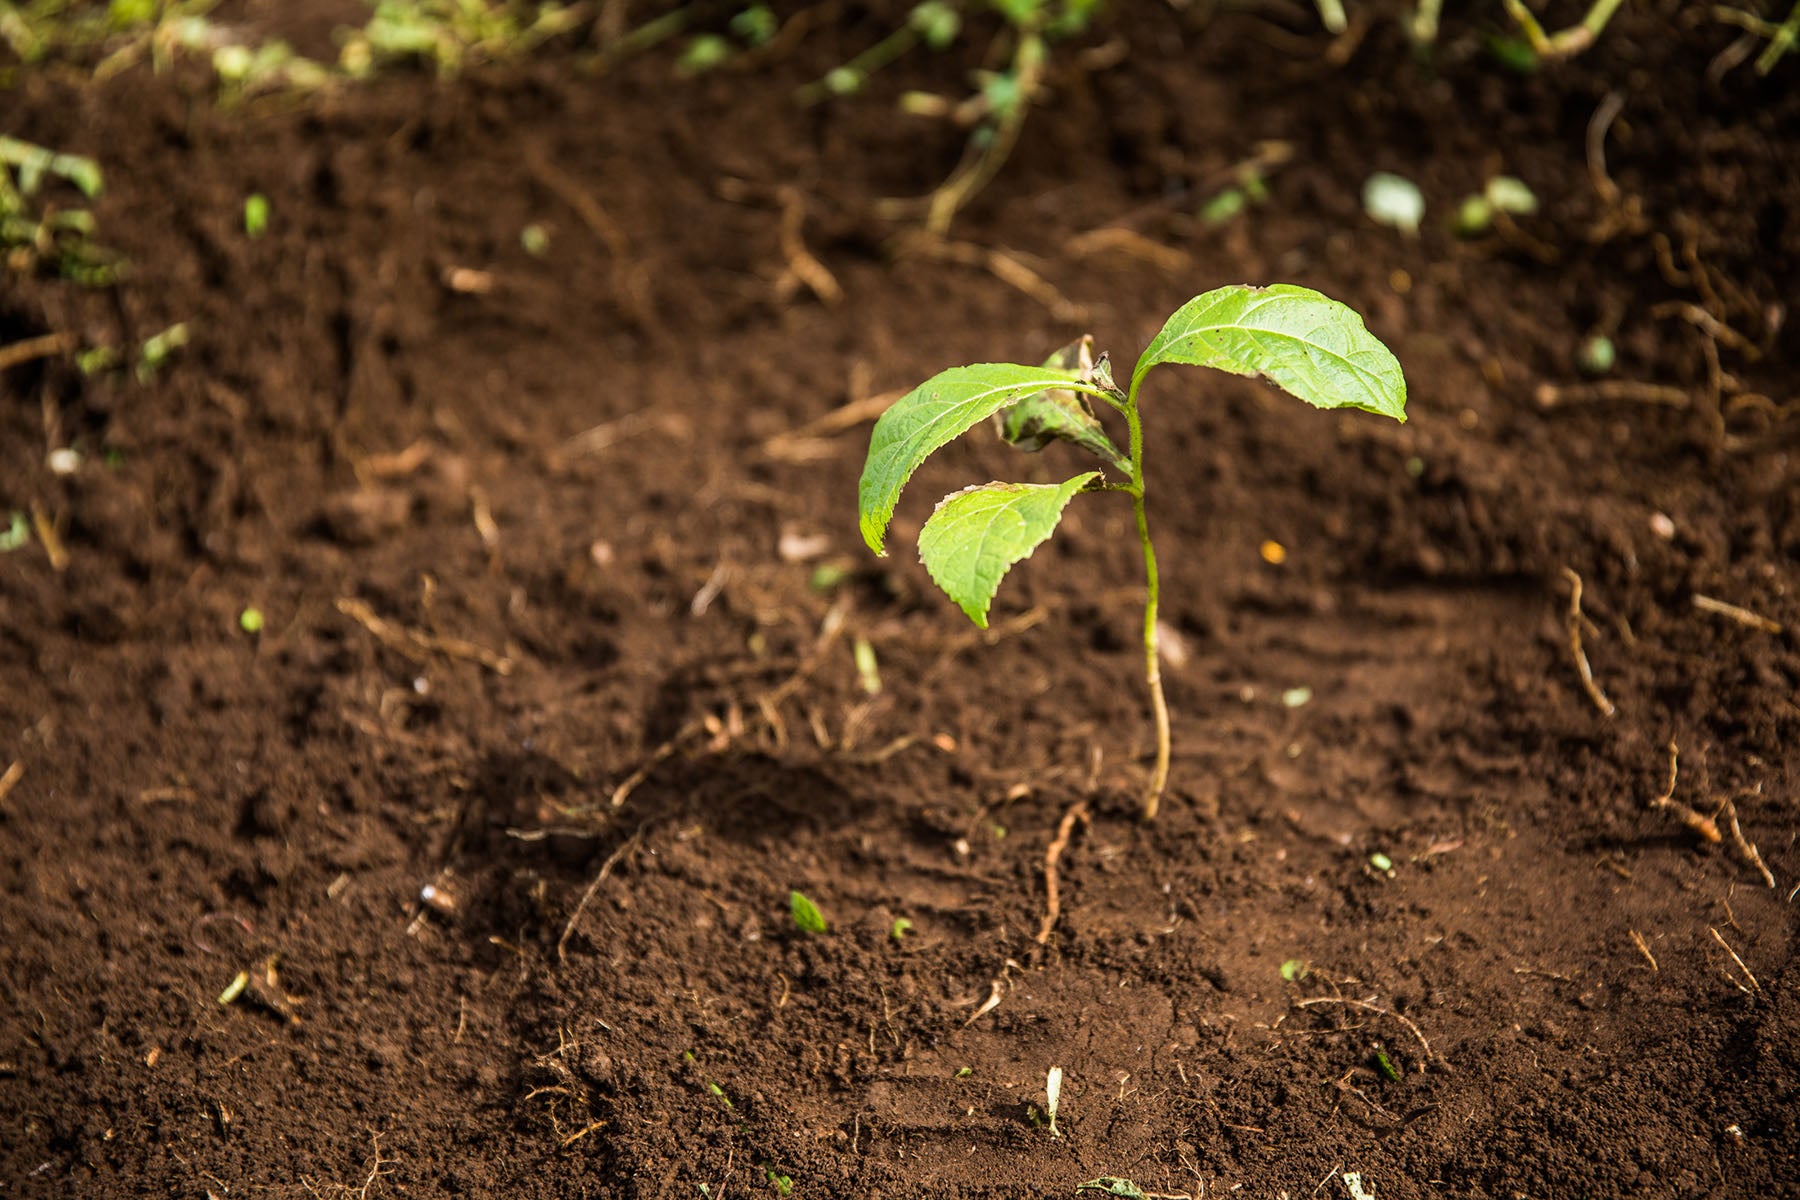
1059, 413
1306, 343
1112, 1185
936, 412
806, 914
977, 534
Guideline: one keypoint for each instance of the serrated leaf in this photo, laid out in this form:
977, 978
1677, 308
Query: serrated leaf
936, 412
1060, 414
976, 535
1304, 342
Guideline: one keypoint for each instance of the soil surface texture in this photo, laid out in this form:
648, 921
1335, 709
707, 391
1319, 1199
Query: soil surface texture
469, 873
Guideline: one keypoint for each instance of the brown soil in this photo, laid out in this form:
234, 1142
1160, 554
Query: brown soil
614, 1001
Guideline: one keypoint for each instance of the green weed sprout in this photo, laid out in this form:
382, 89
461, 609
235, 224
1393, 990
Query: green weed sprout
806, 914
256, 214
1309, 345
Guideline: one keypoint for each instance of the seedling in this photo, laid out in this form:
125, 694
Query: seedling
154, 354
256, 214
806, 914
17, 533
1503, 194
251, 621
1312, 346
1596, 355
1052, 1096
902, 927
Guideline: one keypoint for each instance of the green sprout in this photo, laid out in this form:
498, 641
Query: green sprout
18, 532
806, 914
902, 925
754, 26
156, 350
251, 621
868, 670
34, 231
1596, 355
1781, 38
703, 53
1565, 43
256, 214
1311, 346
1503, 194
1053, 1097
1386, 1064
535, 240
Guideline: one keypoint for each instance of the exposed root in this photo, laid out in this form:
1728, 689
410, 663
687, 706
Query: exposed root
1575, 621
1637, 939
1367, 1006
808, 442
340, 1191
10, 780
767, 705
1708, 324
1118, 239
1745, 846
606, 868
50, 537
1550, 395
418, 645
1077, 815
1742, 616
1755, 988
31, 349
995, 990
1003, 265
630, 284
1705, 826
802, 267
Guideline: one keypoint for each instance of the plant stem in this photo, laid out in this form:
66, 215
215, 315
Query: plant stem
1159, 774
